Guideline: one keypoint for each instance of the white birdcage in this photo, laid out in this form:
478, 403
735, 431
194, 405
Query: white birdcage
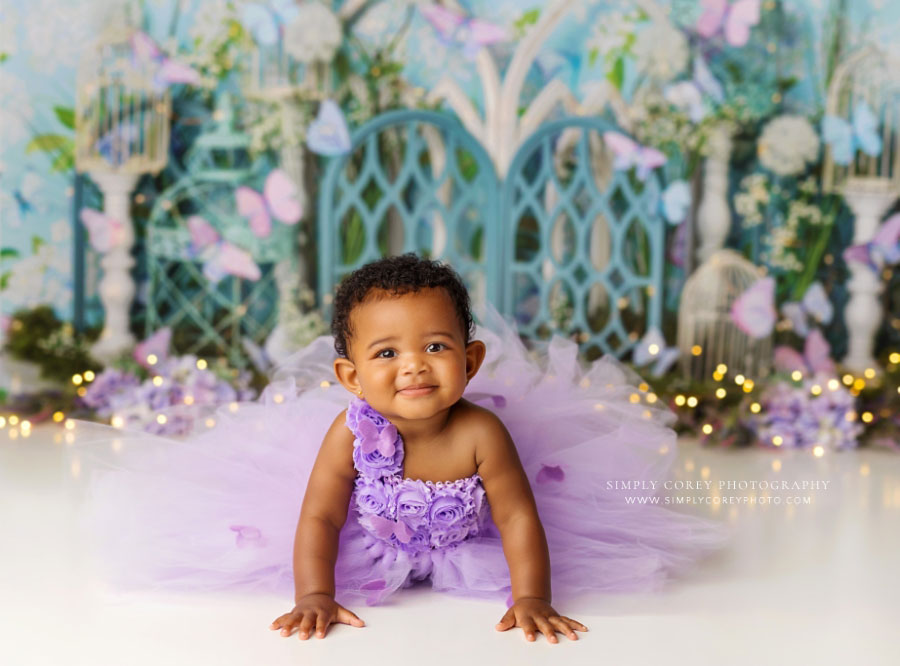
864, 101
705, 324
122, 117
121, 113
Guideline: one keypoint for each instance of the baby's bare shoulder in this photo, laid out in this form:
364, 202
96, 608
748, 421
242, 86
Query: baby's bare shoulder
480, 425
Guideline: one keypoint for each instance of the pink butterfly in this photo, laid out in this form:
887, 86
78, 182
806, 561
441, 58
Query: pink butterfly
629, 154
104, 232
816, 356
157, 345
220, 257
385, 528
371, 439
474, 34
247, 535
815, 304
754, 310
278, 199
146, 51
881, 250
733, 20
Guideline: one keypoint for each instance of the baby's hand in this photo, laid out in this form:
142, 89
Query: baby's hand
537, 615
315, 611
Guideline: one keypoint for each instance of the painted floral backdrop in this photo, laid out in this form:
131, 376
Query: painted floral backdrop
762, 66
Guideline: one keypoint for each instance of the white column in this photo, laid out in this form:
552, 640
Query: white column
116, 285
713, 215
863, 313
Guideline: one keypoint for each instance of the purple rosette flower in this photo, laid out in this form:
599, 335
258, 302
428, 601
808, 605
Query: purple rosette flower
447, 510
373, 463
371, 496
446, 536
412, 504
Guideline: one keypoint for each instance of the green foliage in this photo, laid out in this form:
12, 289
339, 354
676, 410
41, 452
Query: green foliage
528, 18
39, 336
65, 115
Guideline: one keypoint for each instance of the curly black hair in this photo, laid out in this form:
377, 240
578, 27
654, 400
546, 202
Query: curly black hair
397, 275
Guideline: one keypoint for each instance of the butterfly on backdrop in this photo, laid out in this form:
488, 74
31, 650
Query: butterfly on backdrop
845, 138
816, 356
732, 20
883, 250
266, 21
676, 201
279, 199
104, 232
629, 153
220, 258
652, 348
328, 134
145, 51
472, 33
815, 304
156, 345
753, 311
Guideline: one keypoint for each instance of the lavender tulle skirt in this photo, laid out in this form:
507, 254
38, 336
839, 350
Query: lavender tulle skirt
218, 510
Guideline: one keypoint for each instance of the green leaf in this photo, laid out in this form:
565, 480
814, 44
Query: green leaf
47, 143
616, 75
64, 161
8, 253
528, 18
592, 56
4, 57
36, 242
66, 115
4, 279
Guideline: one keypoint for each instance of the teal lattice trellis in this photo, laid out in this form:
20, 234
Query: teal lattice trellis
583, 244
414, 181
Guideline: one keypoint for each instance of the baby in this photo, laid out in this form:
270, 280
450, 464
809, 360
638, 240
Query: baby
410, 445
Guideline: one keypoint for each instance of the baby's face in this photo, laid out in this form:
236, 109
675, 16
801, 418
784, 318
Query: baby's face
402, 342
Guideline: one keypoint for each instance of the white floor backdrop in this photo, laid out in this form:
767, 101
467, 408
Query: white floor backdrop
809, 584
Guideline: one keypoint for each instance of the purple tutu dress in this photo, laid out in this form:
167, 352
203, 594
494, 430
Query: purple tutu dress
218, 510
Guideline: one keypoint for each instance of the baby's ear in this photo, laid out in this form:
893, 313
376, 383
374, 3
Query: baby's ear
346, 374
475, 352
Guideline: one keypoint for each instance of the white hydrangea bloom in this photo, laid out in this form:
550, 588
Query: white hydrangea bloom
661, 51
314, 35
787, 144
611, 32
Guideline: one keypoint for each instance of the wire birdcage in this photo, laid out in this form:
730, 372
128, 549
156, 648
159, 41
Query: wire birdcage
867, 82
121, 112
704, 320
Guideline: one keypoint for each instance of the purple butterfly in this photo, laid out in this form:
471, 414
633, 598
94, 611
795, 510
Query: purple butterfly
472, 33
882, 250
630, 153
378, 586
754, 310
247, 536
372, 440
146, 51
549, 473
385, 528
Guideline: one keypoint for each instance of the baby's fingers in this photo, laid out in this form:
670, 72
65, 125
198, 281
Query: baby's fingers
528, 627
563, 628
345, 616
306, 625
322, 623
508, 621
547, 629
575, 624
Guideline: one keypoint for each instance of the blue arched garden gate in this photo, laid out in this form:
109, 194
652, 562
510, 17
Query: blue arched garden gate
413, 181
565, 244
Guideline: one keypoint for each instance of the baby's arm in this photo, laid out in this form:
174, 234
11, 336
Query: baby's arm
515, 513
322, 516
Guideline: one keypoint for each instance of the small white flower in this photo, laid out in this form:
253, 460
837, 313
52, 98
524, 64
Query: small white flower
661, 51
610, 33
314, 35
787, 144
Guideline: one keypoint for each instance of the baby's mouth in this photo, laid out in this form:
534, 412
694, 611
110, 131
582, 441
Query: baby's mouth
418, 389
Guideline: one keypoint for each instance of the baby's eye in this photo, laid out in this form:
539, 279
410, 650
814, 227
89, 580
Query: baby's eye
385, 353
441, 345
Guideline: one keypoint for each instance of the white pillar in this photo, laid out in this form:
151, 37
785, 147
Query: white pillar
863, 313
116, 285
713, 215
